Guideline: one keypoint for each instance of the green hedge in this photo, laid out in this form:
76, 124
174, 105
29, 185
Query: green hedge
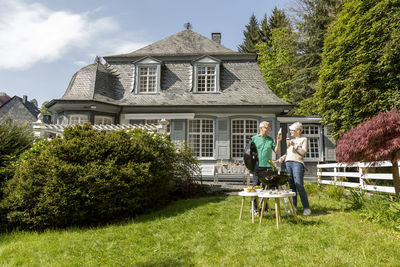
90, 177
14, 139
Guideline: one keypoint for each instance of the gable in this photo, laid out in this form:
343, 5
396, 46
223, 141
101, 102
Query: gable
17, 111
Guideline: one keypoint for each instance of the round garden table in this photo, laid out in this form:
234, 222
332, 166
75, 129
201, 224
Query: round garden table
277, 195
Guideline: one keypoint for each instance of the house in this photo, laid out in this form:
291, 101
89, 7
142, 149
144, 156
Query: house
3, 98
19, 110
213, 97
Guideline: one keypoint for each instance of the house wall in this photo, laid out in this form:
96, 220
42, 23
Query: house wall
222, 132
63, 117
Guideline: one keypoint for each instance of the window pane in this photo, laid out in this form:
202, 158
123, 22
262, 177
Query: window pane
312, 134
313, 148
206, 79
78, 119
201, 137
242, 131
147, 79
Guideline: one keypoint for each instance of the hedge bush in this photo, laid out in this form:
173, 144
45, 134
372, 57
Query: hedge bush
90, 177
14, 140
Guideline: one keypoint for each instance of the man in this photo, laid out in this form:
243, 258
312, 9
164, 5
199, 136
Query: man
265, 145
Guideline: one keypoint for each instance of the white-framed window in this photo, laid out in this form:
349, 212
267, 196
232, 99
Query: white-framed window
206, 79
201, 137
78, 119
103, 120
241, 132
148, 79
312, 132
206, 72
147, 76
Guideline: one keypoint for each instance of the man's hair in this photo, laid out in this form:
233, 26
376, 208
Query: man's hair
262, 124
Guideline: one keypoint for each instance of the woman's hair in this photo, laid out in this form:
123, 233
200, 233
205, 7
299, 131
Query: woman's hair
296, 126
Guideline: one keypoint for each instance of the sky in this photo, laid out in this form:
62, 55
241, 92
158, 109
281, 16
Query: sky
44, 42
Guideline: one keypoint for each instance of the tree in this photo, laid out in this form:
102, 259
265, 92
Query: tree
276, 53
252, 36
34, 101
315, 18
360, 67
373, 140
276, 62
14, 140
277, 20
44, 110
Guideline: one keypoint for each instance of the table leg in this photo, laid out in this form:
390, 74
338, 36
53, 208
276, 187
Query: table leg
252, 209
277, 213
293, 209
262, 210
257, 205
241, 208
279, 209
269, 208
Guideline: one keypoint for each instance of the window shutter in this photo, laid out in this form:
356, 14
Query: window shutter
222, 140
178, 131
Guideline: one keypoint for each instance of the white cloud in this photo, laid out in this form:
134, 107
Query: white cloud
30, 33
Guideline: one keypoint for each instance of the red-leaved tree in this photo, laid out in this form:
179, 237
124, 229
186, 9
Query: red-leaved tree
376, 139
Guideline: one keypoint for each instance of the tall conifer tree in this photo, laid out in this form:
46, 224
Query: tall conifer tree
252, 36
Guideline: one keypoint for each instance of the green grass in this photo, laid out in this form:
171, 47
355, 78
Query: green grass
207, 232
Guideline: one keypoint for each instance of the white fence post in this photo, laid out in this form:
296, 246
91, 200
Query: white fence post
335, 173
361, 179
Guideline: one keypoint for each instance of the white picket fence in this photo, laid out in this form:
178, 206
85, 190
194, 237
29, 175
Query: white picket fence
334, 173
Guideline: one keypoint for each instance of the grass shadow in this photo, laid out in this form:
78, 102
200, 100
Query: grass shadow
177, 207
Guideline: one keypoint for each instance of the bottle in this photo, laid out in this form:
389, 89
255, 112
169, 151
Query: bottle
280, 131
272, 164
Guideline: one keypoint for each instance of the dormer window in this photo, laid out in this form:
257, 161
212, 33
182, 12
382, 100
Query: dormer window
206, 75
206, 79
147, 80
147, 76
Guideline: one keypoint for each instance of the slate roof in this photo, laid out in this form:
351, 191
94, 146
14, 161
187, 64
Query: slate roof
28, 105
186, 42
241, 80
94, 81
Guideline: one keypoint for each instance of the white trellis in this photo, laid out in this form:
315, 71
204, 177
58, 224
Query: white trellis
44, 130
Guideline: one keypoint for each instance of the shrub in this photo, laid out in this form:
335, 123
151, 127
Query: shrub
312, 188
14, 140
334, 191
382, 210
90, 177
356, 198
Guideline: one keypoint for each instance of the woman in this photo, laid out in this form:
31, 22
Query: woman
294, 161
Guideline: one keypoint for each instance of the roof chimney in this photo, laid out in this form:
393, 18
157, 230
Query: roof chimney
24, 99
216, 37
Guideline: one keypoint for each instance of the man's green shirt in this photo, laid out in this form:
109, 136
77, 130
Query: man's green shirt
264, 145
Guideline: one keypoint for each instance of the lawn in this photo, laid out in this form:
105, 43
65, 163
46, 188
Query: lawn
206, 232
